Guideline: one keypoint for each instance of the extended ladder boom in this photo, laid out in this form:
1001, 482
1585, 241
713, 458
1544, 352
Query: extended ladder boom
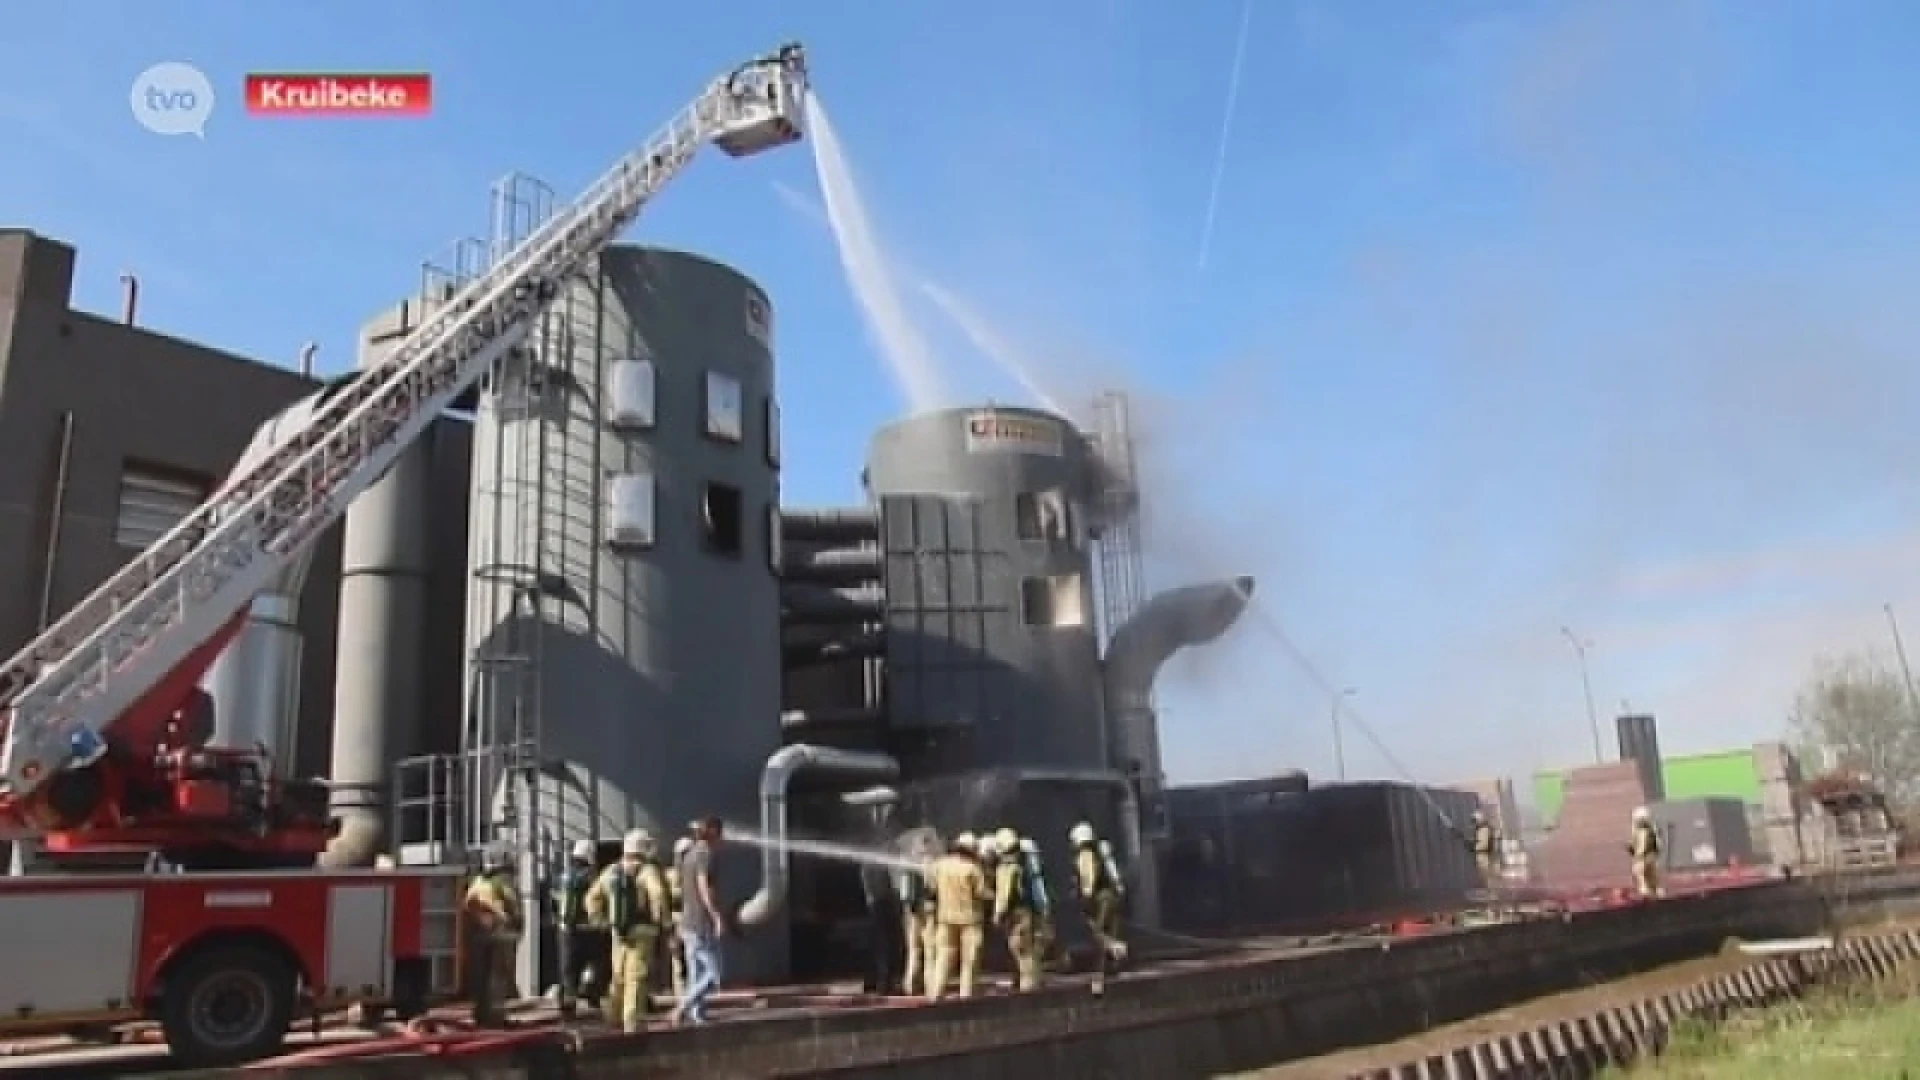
63, 692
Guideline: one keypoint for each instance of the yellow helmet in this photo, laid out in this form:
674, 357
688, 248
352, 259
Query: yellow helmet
1006, 840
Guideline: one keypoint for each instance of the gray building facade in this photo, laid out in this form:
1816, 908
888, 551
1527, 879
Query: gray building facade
111, 432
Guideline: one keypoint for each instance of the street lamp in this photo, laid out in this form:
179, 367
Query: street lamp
1580, 647
1339, 745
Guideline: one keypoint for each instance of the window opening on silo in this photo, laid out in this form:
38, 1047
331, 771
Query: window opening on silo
630, 395
153, 499
771, 417
720, 514
630, 511
723, 421
1057, 600
774, 547
1041, 516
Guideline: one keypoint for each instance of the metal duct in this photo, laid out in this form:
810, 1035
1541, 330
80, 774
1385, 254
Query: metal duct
800, 721
830, 526
832, 566
255, 682
782, 767
818, 604
1171, 621
855, 645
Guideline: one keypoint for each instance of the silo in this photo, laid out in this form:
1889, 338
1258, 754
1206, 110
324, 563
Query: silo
991, 652
624, 612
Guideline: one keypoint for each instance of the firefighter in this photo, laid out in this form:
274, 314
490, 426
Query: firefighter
1102, 896
494, 919
580, 940
916, 926
1485, 843
1013, 909
1644, 848
676, 902
959, 898
630, 900
1036, 871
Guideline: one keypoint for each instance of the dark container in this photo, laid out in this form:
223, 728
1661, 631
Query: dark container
1346, 855
1704, 834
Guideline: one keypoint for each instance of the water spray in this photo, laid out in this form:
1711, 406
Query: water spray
1271, 623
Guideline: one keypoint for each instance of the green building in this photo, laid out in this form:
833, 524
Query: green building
1725, 774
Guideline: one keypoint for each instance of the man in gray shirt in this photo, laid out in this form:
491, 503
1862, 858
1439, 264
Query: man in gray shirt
703, 922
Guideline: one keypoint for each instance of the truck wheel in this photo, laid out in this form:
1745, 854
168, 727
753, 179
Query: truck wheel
227, 1005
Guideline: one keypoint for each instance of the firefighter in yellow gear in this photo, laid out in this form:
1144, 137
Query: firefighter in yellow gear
494, 920
676, 903
1013, 909
1485, 843
916, 926
1644, 848
1102, 896
959, 901
630, 900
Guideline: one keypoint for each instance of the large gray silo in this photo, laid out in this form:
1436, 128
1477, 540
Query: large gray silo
385, 565
623, 618
990, 634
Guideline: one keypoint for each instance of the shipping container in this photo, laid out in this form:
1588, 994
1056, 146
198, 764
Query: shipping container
1343, 855
1704, 834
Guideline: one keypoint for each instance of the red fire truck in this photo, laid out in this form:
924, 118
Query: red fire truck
105, 750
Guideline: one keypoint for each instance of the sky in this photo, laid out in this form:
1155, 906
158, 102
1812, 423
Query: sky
1513, 315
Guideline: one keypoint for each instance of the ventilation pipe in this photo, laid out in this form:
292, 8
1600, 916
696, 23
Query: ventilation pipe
255, 682
384, 565
831, 526
1170, 621
781, 768
307, 353
129, 297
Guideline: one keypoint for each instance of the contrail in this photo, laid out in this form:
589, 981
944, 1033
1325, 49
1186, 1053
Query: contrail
1226, 131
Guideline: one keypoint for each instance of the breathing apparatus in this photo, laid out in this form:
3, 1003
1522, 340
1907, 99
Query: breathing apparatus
1029, 854
1112, 867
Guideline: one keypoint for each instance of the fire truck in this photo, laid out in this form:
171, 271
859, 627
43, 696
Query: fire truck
223, 930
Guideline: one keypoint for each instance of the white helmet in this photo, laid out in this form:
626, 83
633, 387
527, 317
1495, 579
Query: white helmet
637, 842
966, 841
586, 850
1642, 815
1028, 847
987, 848
1081, 835
682, 846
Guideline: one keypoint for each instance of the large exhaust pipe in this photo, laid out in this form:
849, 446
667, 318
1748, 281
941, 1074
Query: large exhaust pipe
775, 779
1173, 620
255, 682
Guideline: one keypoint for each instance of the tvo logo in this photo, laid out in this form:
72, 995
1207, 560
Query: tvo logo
172, 99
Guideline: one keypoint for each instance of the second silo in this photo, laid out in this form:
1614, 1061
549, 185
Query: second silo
991, 648
624, 614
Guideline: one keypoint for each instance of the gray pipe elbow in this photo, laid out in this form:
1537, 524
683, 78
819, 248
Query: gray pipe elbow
1173, 620
786, 763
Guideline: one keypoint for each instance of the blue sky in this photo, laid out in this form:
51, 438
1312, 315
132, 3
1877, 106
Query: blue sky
1516, 314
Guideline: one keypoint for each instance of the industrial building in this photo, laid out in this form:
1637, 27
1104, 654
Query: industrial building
111, 433
579, 607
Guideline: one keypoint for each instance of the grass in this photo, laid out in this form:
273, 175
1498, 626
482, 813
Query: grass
1866, 1033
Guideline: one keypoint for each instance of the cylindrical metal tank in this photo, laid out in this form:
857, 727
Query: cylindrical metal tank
990, 634
381, 651
624, 615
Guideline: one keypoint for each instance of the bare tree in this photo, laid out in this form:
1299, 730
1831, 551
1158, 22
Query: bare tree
1857, 708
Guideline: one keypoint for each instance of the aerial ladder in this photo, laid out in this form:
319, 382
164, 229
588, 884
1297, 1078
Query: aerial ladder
103, 730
